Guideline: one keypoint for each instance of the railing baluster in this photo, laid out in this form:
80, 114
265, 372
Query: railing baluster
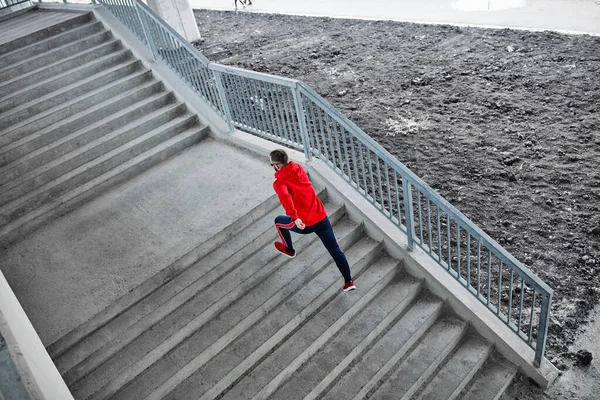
499, 287
521, 295
533, 296
448, 242
478, 268
439, 234
429, 225
362, 168
510, 296
419, 213
468, 255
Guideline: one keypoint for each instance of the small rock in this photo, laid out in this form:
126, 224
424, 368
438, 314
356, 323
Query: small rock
342, 93
549, 202
595, 231
510, 49
511, 160
583, 358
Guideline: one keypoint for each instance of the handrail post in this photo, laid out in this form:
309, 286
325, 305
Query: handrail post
223, 97
145, 30
540, 346
302, 122
408, 212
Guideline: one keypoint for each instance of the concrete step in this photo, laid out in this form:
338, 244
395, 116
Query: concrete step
103, 344
355, 337
55, 83
403, 380
452, 378
48, 43
91, 150
34, 116
492, 380
76, 196
377, 361
55, 69
60, 349
284, 361
43, 159
67, 50
211, 378
232, 280
84, 173
129, 105
45, 33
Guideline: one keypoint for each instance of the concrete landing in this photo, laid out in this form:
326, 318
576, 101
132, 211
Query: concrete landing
69, 270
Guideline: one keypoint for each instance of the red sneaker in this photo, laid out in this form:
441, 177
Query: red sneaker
349, 286
282, 248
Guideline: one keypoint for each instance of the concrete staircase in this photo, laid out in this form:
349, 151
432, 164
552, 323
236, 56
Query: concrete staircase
78, 115
233, 319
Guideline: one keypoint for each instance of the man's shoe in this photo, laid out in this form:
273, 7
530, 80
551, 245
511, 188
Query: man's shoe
282, 248
349, 286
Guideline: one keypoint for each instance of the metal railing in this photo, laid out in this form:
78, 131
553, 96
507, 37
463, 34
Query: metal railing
289, 112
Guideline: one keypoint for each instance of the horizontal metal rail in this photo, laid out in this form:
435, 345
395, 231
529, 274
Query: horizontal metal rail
9, 3
289, 112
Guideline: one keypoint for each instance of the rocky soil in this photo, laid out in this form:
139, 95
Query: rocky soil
505, 124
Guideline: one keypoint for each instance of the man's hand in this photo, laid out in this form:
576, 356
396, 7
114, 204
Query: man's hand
300, 224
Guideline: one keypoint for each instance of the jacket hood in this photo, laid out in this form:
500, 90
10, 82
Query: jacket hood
290, 173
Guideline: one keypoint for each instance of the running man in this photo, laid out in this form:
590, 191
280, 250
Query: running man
305, 213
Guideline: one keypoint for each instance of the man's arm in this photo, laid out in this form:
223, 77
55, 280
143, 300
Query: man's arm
285, 198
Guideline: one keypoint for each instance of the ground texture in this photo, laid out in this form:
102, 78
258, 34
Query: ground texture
505, 124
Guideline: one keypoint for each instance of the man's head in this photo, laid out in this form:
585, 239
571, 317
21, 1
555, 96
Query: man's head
279, 159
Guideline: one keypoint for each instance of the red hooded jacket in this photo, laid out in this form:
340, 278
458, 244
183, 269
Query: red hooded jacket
297, 195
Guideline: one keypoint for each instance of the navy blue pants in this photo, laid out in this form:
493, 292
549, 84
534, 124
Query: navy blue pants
324, 231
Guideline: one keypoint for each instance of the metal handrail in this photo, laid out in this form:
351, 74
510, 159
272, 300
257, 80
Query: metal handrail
291, 113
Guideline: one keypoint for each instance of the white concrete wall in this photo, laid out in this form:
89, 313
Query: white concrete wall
38, 373
178, 14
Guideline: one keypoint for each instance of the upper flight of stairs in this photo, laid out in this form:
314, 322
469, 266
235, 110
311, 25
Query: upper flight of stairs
78, 115
233, 319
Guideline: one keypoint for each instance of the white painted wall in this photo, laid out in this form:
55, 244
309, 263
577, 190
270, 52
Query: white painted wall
179, 15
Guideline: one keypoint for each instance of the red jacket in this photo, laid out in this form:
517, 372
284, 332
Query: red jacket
297, 195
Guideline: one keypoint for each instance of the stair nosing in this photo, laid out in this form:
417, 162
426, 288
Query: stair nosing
116, 55
59, 48
89, 50
33, 174
13, 205
106, 120
51, 128
80, 190
84, 26
39, 116
299, 360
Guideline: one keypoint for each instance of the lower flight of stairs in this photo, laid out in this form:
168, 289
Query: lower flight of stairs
234, 319
78, 115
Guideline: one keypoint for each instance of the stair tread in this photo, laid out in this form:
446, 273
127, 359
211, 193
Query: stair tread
66, 89
36, 72
78, 32
19, 202
406, 377
305, 342
458, 370
43, 55
215, 376
51, 128
187, 322
80, 190
107, 58
35, 173
492, 380
358, 334
395, 344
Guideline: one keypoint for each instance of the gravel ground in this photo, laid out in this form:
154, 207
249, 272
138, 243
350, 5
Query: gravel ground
505, 124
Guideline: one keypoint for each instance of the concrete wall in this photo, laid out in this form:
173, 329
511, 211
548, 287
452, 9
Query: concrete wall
33, 364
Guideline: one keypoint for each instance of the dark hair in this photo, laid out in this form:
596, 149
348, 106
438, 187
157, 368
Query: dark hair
279, 156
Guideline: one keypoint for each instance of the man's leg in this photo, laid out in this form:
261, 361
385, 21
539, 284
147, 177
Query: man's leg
325, 233
284, 225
